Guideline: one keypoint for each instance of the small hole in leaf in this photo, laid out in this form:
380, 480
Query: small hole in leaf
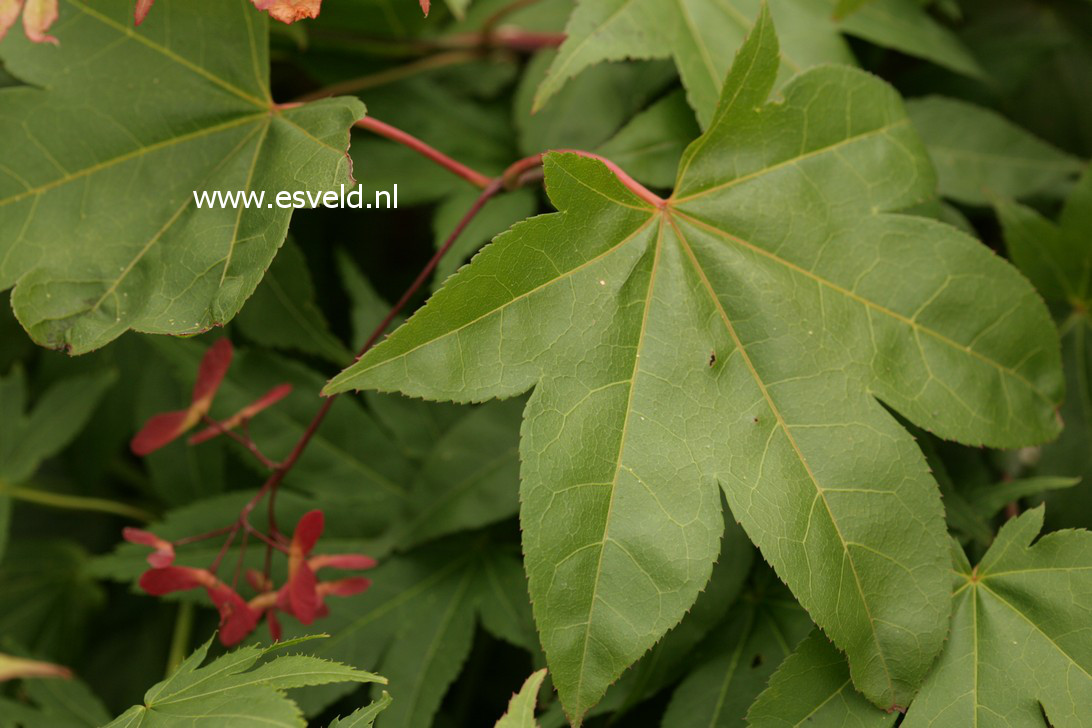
757, 661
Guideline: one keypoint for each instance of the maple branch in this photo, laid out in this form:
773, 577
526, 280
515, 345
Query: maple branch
516, 175
282, 469
386, 130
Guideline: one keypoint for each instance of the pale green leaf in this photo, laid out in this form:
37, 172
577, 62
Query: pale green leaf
735, 661
673, 655
1020, 635
100, 232
700, 36
364, 717
812, 687
980, 154
650, 145
521, 708
232, 691
740, 336
496, 217
282, 313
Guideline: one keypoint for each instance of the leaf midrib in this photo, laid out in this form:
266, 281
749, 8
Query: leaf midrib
132, 34
133, 154
775, 410
618, 466
357, 374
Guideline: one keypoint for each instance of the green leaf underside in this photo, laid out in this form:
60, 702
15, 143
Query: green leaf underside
740, 336
236, 690
1019, 637
701, 36
98, 230
521, 708
812, 687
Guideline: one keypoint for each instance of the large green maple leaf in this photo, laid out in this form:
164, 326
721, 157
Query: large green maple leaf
101, 153
741, 335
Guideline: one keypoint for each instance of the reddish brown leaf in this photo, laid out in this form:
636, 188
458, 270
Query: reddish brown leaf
142, 8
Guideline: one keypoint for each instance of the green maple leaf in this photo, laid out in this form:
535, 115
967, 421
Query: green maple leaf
701, 36
1018, 652
103, 151
521, 708
812, 687
236, 690
734, 663
740, 335
1019, 636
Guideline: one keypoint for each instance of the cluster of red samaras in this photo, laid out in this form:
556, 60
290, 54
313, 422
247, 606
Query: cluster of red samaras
169, 426
302, 595
38, 15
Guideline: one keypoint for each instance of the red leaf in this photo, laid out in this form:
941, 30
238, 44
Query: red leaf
341, 561
142, 8
307, 534
167, 579
274, 624
164, 550
303, 599
38, 15
266, 400
214, 366
344, 587
237, 619
159, 430
9, 12
289, 11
